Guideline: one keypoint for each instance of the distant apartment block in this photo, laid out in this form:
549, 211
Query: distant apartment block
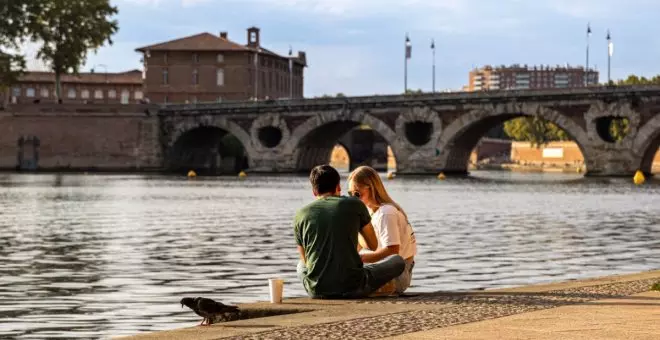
517, 77
209, 68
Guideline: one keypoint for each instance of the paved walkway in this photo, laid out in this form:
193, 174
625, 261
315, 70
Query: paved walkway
619, 307
634, 317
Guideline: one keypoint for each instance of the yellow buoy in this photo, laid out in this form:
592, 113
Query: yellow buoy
639, 178
192, 173
441, 176
242, 174
390, 175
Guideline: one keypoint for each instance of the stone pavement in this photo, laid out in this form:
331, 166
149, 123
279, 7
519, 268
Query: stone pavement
633, 317
617, 307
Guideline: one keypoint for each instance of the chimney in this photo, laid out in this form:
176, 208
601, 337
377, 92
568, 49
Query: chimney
253, 37
302, 57
223, 35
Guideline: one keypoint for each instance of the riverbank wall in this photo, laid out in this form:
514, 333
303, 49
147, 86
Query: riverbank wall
51, 137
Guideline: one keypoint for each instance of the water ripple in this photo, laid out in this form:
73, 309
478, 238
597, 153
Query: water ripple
98, 256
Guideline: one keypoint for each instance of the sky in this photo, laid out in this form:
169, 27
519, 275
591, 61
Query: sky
357, 46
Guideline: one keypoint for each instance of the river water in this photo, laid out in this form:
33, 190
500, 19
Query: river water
94, 256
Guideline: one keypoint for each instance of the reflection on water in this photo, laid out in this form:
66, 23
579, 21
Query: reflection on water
95, 256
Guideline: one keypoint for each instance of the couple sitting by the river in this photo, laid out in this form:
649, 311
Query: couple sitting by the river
334, 264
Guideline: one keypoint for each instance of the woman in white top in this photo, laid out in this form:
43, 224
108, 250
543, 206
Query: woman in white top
390, 222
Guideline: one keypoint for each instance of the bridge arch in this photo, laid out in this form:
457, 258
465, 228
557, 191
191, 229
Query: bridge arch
646, 144
339, 151
312, 142
462, 135
205, 144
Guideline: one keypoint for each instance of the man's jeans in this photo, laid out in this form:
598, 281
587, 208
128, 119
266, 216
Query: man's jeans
377, 274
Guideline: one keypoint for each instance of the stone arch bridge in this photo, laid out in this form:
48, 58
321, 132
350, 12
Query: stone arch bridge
428, 133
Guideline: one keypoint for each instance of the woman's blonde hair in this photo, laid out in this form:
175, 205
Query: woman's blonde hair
366, 176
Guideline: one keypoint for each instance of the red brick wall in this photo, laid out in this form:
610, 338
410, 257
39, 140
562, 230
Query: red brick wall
525, 153
70, 139
238, 76
522, 152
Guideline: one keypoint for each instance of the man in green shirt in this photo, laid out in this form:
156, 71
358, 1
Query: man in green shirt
326, 232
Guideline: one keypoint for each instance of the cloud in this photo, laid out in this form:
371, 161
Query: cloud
597, 9
116, 58
342, 68
356, 46
351, 9
192, 3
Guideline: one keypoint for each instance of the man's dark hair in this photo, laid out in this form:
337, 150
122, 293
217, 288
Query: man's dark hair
324, 179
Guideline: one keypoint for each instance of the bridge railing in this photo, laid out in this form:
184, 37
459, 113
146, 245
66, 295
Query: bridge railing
410, 99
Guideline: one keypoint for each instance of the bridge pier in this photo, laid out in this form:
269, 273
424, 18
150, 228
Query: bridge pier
610, 161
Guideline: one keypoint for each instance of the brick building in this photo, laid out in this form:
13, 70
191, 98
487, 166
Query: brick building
207, 68
525, 77
85, 87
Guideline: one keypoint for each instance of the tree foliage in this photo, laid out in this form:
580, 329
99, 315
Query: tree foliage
413, 92
18, 19
619, 128
12, 67
635, 80
66, 30
535, 130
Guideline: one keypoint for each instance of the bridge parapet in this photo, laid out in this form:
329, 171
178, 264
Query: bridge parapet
607, 93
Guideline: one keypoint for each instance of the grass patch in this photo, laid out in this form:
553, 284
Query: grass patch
656, 286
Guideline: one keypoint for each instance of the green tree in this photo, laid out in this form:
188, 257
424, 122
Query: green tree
12, 67
18, 19
68, 29
410, 91
635, 80
619, 128
535, 130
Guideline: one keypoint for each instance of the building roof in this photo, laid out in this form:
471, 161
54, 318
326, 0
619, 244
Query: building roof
133, 77
198, 42
208, 42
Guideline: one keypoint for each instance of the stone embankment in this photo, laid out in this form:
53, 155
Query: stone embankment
617, 307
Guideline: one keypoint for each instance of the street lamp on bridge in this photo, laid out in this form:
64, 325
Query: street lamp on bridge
586, 81
610, 51
433, 51
405, 66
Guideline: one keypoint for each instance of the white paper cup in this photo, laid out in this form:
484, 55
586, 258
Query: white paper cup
276, 287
